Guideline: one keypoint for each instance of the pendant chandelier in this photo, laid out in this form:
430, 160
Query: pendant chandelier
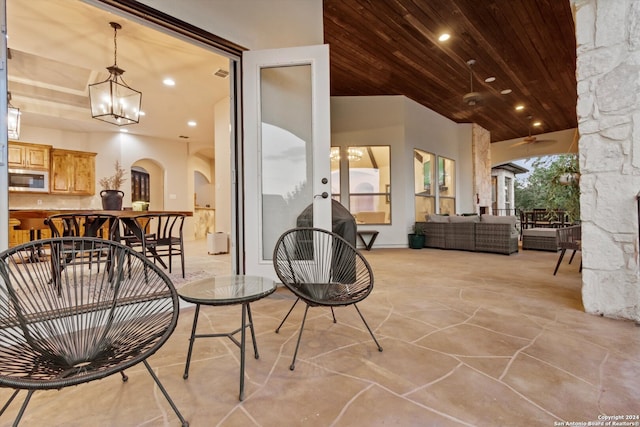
112, 100
13, 119
353, 154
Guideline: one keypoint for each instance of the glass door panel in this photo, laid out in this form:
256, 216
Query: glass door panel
287, 152
286, 169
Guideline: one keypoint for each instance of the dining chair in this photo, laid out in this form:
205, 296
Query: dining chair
321, 269
81, 225
569, 238
158, 236
95, 323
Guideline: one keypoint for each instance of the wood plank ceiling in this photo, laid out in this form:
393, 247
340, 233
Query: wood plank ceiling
391, 47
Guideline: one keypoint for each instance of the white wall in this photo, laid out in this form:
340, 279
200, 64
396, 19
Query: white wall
222, 160
253, 24
404, 125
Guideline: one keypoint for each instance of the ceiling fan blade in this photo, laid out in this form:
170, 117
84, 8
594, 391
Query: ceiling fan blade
531, 140
520, 143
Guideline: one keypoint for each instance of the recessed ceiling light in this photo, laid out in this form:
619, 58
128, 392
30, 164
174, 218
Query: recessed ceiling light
505, 91
444, 37
142, 113
537, 123
519, 107
490, 79
192, 123
169, 82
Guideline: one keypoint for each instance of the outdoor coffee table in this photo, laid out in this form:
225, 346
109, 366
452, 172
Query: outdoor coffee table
227, 290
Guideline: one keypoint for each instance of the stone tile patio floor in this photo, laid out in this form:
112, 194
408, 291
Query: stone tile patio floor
470, 339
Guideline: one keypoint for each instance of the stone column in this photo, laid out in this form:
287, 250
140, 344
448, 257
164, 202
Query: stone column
608, 75
481, 160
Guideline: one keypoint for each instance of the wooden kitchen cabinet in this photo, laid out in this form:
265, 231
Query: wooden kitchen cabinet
73, 172
21, 155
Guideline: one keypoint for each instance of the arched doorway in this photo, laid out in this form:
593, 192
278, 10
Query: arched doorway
147, 182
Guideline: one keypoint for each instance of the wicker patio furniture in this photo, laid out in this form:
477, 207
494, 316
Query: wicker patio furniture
434, 233
488, 233
460, 232
569, 238
541, 239
496, 237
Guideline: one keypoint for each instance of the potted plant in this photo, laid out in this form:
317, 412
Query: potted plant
111, 193
416, 237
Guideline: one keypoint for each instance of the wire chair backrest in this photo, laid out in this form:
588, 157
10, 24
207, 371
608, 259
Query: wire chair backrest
320, 266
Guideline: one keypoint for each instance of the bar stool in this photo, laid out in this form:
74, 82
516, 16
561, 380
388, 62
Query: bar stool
35, 227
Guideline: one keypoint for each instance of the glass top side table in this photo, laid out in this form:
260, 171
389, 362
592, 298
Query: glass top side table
227, 290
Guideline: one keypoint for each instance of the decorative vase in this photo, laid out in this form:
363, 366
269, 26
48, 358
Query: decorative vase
111, 200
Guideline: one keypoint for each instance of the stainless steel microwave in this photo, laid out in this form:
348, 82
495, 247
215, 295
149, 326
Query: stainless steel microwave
26, 180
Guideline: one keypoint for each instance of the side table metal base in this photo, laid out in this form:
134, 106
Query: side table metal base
246, 312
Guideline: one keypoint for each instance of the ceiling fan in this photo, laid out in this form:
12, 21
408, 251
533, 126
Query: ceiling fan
531, 139
471, 98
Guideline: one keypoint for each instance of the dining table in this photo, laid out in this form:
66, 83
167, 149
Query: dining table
126, 217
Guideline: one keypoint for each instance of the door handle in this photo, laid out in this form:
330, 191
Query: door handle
324, 195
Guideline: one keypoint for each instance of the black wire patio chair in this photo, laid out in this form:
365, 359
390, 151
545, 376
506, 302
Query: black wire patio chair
322, 269
61, 327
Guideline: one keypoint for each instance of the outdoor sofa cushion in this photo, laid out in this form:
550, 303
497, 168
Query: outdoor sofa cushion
437, 218
470, 218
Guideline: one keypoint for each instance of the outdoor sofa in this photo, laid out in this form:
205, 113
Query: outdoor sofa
486, 233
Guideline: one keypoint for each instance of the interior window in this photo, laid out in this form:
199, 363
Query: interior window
424, 174
369, 183
335, 173
447, 185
